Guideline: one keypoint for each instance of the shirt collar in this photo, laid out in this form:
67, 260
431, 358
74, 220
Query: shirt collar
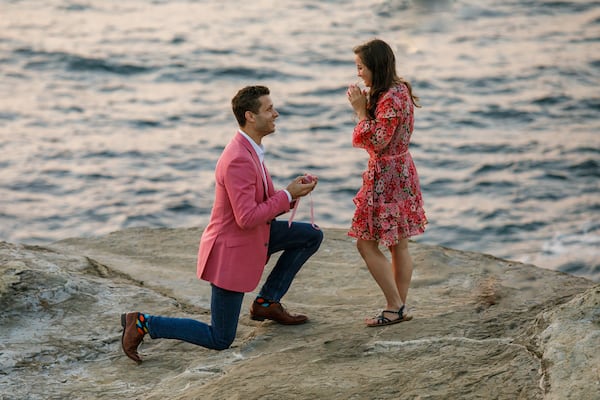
258, 148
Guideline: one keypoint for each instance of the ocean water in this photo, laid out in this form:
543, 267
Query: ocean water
113, 114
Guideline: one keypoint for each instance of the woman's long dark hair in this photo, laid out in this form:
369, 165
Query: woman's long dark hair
379, 58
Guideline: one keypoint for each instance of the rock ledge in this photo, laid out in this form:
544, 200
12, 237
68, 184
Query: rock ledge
483, 328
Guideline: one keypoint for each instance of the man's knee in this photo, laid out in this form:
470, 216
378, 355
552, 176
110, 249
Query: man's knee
222, 344
318, 236
314, 240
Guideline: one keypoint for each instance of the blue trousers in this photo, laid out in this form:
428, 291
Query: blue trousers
298, 243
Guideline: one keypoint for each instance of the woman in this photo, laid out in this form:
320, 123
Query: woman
389, 205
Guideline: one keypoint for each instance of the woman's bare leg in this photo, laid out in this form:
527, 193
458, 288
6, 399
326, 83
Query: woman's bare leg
402, 268
381, 270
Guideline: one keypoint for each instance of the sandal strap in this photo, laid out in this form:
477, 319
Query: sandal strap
381, 318
400, 312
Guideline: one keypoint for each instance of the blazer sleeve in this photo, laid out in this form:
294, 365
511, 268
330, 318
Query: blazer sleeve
246, 194
377, 133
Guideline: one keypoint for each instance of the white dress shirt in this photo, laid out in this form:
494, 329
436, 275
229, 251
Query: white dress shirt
259, 149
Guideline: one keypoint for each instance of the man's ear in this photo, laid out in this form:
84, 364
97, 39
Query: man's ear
249, 116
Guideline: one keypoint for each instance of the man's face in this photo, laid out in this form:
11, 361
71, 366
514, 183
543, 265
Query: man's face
265, 119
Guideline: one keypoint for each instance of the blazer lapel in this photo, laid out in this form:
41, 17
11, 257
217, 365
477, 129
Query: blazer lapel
270, 188
259, 167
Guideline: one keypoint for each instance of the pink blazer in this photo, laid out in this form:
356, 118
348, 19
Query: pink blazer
233, 247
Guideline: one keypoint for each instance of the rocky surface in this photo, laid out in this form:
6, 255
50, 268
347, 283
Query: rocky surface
483, 327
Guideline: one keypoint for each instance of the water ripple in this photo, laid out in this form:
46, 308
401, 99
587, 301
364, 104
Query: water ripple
48, 61
116, 114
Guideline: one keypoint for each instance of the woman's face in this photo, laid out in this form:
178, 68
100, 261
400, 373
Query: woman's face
363, 72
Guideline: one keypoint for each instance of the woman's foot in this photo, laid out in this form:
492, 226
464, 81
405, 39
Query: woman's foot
388, 317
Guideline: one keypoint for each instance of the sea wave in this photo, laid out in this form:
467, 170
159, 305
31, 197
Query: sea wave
116, 115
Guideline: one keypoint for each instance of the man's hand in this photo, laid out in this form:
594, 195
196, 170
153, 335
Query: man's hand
302, 185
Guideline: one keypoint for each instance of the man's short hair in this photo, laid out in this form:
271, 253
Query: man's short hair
247, 99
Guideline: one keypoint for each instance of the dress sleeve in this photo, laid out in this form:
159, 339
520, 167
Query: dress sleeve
377, 133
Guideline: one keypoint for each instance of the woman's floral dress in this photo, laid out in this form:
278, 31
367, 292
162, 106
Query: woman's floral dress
389, 205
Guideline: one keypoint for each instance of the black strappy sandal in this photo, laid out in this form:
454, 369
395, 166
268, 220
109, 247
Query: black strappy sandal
382, 320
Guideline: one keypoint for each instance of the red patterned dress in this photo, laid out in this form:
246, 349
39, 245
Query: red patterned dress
389, 205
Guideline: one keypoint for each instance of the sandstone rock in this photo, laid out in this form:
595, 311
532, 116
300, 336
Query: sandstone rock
483, 327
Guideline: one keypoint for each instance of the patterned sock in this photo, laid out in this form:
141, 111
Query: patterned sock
141, 323
263, 302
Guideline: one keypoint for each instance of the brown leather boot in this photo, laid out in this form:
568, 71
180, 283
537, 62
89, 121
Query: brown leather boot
131, 337
275, 312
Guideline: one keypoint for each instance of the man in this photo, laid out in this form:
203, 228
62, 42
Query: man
239, 239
